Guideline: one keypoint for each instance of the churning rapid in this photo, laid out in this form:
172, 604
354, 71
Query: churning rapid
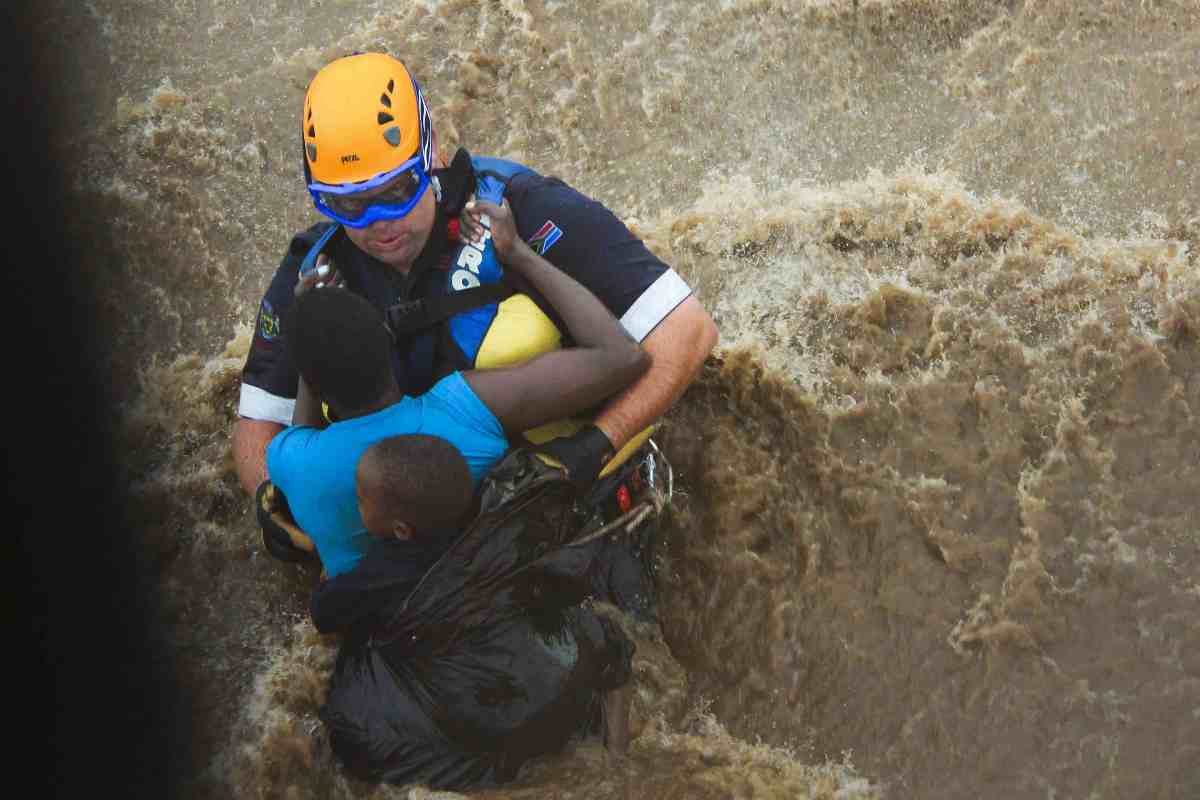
939, 530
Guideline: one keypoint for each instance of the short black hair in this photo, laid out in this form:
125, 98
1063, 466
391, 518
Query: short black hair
338, 342
418, 479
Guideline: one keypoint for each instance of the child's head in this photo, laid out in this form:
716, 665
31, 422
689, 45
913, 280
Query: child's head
412, 486
338, 342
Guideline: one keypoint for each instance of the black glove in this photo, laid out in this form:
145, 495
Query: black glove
584, 454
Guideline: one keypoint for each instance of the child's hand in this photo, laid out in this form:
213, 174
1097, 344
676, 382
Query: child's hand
323, 274
479, 215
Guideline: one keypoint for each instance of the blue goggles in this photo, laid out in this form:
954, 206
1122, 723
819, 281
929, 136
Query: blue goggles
344, 203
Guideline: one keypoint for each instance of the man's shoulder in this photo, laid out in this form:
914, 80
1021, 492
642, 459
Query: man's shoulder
533, 186
546, 206
521, 183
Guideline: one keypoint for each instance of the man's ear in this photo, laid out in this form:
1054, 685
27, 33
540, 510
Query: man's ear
402, 530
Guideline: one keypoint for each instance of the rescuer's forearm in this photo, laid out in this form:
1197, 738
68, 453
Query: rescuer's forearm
677, 349
250, 440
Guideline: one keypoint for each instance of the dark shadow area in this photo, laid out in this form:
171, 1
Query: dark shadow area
94, 680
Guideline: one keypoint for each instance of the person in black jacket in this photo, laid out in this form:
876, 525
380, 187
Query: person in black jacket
467, 654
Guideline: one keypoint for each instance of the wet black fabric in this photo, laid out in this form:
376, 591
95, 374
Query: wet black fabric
456, 674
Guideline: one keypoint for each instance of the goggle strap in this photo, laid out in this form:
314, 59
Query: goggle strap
425, 126
378, 180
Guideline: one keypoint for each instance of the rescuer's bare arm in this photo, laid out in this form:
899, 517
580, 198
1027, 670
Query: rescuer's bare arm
250, 440
677, 349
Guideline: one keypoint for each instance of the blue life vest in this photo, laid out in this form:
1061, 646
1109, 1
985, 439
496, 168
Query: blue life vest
515, 329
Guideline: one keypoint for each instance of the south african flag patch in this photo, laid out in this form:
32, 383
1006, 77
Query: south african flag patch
545, 238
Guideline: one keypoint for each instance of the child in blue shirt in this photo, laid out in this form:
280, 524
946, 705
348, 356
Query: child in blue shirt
341, 347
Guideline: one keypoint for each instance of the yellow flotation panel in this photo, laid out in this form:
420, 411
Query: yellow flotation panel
521, 331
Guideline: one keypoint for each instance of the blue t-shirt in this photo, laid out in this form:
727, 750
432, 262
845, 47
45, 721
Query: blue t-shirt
315, 468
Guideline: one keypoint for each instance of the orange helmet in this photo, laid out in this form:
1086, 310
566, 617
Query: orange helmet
364, 117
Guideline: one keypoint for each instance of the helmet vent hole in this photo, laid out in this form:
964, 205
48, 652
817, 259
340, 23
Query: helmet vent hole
387, 101
310, 113
392, 135
385, 117
312, 151
312, 132
391, 86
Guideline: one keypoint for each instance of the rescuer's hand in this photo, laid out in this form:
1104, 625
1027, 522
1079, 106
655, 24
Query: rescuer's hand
583, 454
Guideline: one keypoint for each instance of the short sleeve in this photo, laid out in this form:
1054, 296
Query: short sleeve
458, 400
583, 238
269, 380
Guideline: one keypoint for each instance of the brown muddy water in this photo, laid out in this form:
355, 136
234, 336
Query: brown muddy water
939, 528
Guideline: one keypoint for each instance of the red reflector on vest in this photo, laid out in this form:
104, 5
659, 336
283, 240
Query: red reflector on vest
452, 230
624, 501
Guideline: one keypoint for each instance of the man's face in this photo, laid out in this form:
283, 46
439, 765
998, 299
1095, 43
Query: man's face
396, 242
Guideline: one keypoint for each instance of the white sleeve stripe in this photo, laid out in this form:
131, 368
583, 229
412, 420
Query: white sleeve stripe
256, 403
659, 300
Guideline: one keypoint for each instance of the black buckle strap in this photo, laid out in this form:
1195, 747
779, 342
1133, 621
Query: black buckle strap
411, 316
458, 181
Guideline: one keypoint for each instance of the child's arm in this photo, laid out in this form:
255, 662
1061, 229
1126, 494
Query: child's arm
564, 382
